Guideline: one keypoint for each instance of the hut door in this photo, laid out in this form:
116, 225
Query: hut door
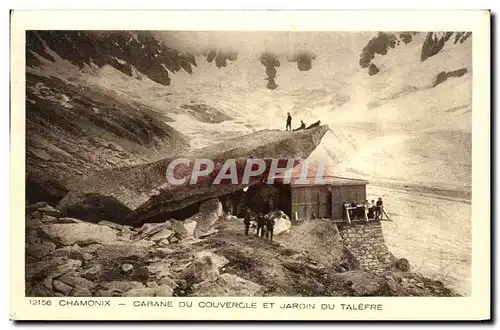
324, 202
311, 205
298, 204
336, 203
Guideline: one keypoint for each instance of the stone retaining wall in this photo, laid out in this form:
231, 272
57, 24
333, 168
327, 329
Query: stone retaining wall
366, 242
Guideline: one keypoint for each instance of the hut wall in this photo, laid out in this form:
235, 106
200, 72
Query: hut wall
347, 193
311, 201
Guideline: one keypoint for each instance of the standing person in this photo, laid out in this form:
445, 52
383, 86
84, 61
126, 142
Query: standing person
360, 211
352, 211
247, 220
378, 209
366, 204
270, 228
344, 211
369, 207
289, 122
261, 223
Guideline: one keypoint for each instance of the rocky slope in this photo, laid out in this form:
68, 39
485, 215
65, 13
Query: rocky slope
137, 53
70, 257
73, 130
125, 51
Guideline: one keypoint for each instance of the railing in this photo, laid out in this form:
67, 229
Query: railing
354, 208
365, 214
296, 220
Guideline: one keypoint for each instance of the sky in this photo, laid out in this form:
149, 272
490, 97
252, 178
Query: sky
278, 42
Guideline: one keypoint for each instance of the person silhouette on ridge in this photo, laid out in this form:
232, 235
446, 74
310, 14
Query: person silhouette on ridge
289, 122
302, 126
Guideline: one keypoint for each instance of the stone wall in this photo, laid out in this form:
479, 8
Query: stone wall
366, 242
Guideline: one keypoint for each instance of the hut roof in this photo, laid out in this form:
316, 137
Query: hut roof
314, 174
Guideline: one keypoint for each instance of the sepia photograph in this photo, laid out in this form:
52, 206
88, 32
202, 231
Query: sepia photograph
247, 163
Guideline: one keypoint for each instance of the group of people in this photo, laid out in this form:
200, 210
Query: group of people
264, 224
302, 124
367, 210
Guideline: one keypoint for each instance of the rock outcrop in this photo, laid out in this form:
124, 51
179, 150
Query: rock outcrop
435, 41
221, 57
377, 45
443, 75
123, 50
270, 61
384, 41
303, 59
373, 69
205, 113
140, 192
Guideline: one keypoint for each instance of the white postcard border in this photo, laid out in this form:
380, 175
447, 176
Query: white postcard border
476, 306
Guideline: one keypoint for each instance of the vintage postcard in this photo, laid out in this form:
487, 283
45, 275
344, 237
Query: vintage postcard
250, 165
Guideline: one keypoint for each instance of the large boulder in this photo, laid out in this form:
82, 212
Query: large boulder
202, 222
111, 225
282, 223
142, 191
204, 267
361, 284
53, 267
162, 235
190, 227
77, 282
157, 291
76, 252
160, 269
49, 210
211, 207
117, 251
179, 230
77, 233
227, 285
210, 212
140, 292
402, 265
40, 250
62, 287
149, 229
121, 286
218, 261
